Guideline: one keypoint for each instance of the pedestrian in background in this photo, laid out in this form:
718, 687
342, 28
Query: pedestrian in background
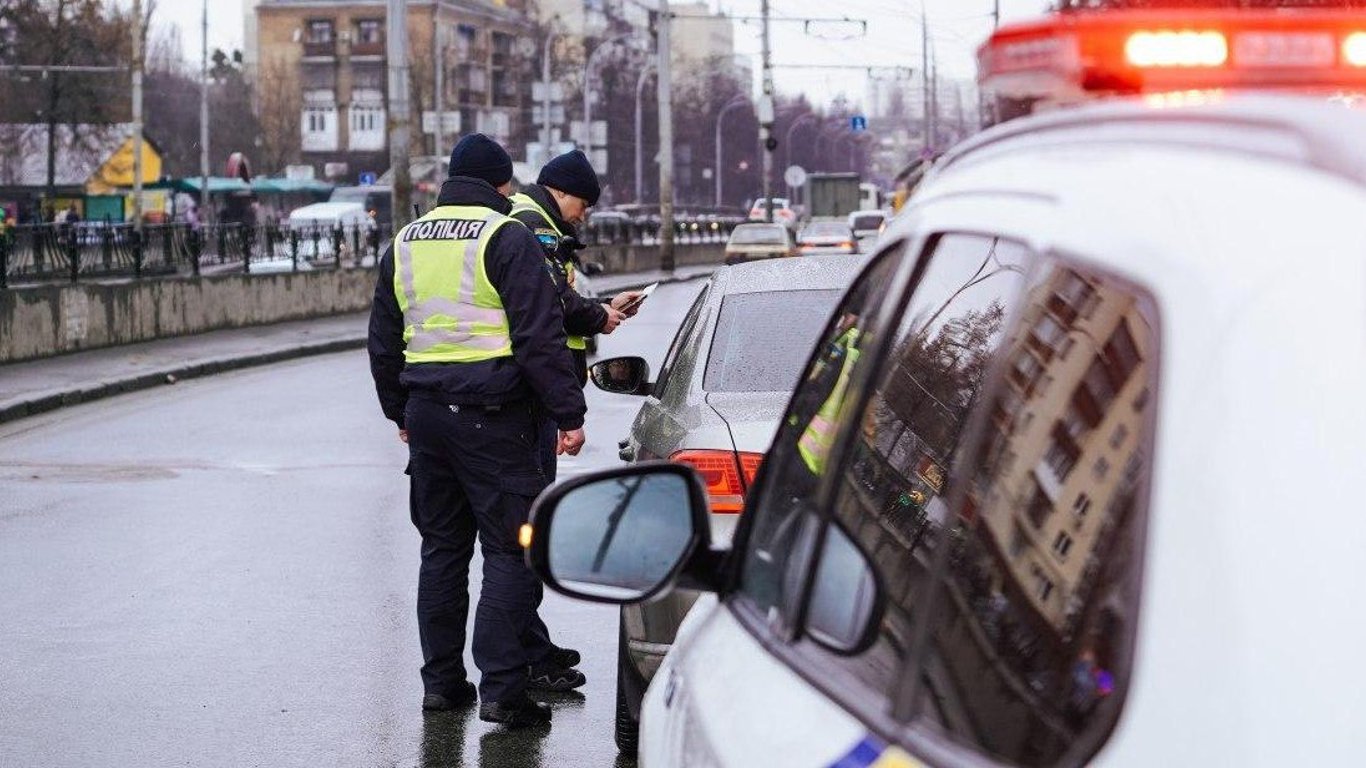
553, 208
466, 344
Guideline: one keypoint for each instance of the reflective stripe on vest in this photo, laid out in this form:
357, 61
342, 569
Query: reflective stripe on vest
523, 203
451, 312
819, 435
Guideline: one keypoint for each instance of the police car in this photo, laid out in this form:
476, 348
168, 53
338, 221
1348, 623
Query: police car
1070, 475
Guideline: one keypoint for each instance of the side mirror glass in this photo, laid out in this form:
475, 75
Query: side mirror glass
845, 605
619, 536
621, 375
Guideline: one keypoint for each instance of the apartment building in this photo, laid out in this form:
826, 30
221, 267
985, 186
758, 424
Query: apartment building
321, 65
1066, 444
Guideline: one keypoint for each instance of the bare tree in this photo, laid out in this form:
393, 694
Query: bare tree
279, 103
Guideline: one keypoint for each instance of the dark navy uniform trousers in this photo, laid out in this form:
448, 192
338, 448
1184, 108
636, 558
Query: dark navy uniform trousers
476, 470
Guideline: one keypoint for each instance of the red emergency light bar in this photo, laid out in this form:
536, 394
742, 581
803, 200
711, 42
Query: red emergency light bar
1075, 55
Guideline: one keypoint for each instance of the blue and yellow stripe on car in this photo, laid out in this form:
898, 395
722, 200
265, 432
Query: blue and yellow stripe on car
872, 752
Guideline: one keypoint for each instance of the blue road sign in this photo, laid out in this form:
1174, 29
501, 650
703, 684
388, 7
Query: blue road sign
367, 179
858, 123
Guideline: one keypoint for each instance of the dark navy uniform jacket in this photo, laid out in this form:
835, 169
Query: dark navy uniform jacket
540, 368
582, 317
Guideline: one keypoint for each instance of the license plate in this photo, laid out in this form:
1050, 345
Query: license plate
1284, 49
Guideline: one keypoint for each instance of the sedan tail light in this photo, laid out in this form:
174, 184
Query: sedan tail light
726, 479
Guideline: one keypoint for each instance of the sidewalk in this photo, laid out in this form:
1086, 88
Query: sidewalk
36, 386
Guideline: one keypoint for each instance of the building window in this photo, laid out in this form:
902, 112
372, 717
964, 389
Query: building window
1047, 335
1062, 453
318, 126
1062, 545
1025, 371
370, 31
1101, 469
1074, 298
1043, 586
1117, 438
1018, 541
319, 31
1081, 506
1040, 506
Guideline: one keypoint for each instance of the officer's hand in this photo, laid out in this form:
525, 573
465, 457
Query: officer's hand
626, 302
403, 435
571, 442
614, 318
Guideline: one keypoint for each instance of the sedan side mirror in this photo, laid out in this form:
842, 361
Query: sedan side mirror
622, 375
591, 268
620, 536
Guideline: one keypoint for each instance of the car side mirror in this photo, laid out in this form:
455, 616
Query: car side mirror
591, 268
846, 605
620, 536
622, 375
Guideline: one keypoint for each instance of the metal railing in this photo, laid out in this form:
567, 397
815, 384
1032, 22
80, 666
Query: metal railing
645, 230
38, 253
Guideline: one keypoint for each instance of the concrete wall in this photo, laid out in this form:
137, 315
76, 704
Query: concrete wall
47, 320
638, 258
52, 319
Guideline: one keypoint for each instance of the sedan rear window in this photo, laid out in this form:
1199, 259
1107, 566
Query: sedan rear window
870, 221
763, 339
774, 235
826, 229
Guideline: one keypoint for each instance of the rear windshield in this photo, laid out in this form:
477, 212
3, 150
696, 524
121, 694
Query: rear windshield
869, 221
826, 229
757, 235
763, 339
348, 196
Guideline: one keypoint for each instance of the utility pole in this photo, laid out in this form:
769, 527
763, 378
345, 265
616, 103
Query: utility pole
664, 82
137, 115
438, 97
995, 15
396, 45
766, 114
925, 77
204, 204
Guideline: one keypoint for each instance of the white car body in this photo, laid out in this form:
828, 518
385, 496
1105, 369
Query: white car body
1248, 641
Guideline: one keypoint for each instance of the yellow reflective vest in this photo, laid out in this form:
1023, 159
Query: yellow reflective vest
819, 435
451, 312
521, 203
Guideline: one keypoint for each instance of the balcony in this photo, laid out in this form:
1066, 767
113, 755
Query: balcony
375, 49
320, 50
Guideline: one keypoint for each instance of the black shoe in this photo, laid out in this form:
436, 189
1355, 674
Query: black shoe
565, 658
520, 712
555, 679
464, 696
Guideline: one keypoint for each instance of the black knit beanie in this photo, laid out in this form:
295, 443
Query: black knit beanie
480, 157
572, 173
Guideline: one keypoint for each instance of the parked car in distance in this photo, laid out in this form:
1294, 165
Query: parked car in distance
723, 384
867, 225
782, 211
827, 236
750, 242
377, 200
322, 219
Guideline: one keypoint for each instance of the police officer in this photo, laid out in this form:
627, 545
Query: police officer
564, 192
466, 336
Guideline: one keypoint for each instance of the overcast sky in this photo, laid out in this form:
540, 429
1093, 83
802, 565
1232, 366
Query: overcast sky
957, 27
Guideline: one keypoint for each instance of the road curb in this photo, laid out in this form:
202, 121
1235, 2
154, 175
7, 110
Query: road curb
55, 400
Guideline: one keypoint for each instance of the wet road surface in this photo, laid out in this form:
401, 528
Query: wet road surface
223, 573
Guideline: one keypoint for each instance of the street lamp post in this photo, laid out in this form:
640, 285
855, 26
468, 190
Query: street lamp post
545, 94
738, 100
640, 161
787, 140
587, 92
